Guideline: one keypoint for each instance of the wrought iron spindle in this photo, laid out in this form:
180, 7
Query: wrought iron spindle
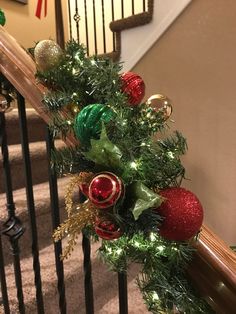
76, 18
133, 7
4, 299
113, 18
88, 285
12, 227
95, 28
30, 202
103, 28
59, 24
123, 293
144, 5
122, 9
86, 26
70, 22
55, 223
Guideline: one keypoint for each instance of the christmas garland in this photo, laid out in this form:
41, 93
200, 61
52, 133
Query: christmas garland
128, 171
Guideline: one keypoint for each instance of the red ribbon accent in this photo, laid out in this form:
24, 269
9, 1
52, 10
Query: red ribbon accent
39, 8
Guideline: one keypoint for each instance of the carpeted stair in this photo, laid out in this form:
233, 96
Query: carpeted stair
105, 282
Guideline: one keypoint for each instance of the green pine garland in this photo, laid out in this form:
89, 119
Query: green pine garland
127, 148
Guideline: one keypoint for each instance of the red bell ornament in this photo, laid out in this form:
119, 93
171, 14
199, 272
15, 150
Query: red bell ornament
133, 86
182, 212
107, 229
105, 190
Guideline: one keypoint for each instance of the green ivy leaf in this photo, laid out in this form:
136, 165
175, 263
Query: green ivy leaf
144, 198
104, 153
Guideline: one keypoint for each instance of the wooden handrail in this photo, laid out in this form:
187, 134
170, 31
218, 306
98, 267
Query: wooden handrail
19, 68
213, 270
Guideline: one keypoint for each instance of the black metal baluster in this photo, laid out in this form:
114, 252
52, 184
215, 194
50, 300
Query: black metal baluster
30, 202
144, 5
123, 296
59, 24
77, 19
122, 9
103, 28
4, 299
95, 28
55, 223
113, 18
86, 26
70, 22
88, 285
133, 7
12, 227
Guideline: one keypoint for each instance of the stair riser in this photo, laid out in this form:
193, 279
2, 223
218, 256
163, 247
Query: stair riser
36, 130
39, 173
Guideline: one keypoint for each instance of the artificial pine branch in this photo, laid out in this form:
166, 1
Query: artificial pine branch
70, 160
153, 161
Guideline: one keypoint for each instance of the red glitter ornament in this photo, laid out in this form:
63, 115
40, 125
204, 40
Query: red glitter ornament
107, 229
133, 86
105, 190
182, 212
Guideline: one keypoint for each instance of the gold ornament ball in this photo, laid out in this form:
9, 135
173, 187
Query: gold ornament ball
47, 54
160, 102
73, 109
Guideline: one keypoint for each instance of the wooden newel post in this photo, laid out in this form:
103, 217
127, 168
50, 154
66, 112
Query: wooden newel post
59, 24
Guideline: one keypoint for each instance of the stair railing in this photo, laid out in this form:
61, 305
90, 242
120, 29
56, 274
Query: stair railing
97, 24
214, 268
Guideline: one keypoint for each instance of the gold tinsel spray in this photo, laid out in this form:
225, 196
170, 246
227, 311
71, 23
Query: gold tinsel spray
78, 216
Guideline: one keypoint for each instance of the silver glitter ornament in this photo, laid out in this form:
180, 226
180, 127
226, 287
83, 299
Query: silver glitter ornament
5, 104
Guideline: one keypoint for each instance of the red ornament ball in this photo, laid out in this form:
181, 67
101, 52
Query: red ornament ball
105, 190
84, 188
133, 86
182, 212
107, 229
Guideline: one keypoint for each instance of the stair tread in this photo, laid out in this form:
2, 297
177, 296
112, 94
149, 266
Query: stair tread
30, 113
37, 150
41, 198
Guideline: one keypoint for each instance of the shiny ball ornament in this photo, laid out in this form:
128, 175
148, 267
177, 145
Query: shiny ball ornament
84, 188
47, 54
88, 122
2, 18
5, 104
73, 109
182, 212
107, 229
133, 86
105, 190
160, 103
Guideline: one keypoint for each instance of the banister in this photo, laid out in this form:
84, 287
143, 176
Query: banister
19, 68
213, 270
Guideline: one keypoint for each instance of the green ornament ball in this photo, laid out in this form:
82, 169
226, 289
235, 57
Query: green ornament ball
2, 18
88, 122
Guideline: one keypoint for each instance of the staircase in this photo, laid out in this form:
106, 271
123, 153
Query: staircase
213, 270
104, 287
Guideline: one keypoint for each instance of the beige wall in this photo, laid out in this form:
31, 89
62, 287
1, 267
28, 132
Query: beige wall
24, 26
194, 63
